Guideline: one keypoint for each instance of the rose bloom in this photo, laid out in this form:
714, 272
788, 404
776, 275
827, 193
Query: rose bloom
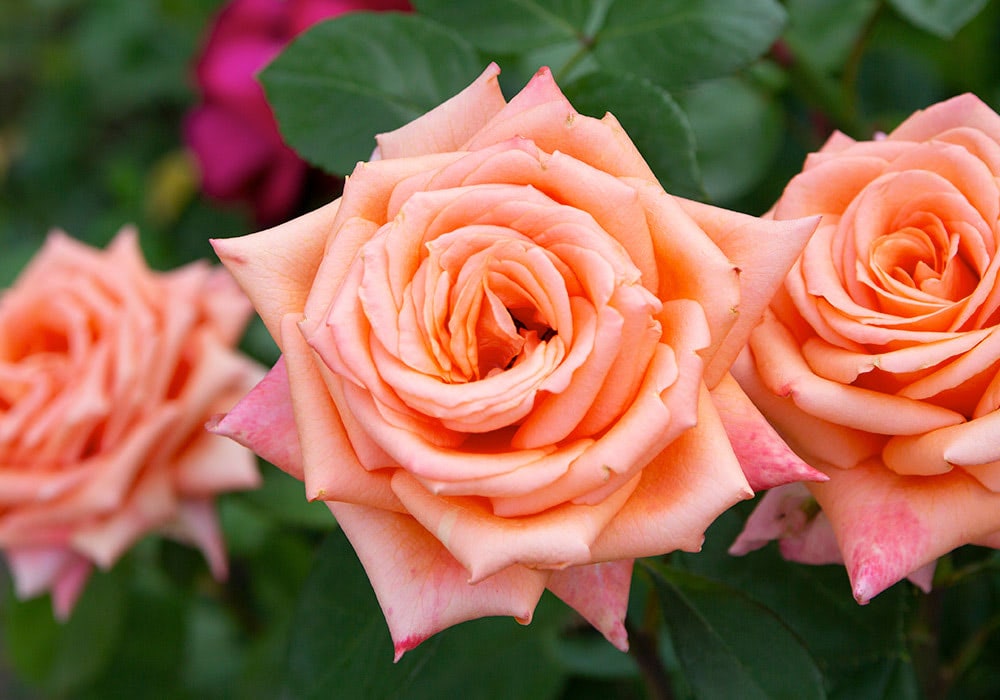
878, 361
232, 133
108, 372
505, 360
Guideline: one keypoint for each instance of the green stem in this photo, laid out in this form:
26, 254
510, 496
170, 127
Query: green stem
645, 649
924, 639
837, 102
849, 77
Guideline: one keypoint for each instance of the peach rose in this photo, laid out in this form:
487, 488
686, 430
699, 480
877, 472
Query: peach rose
498, 350
108, 372
879, 360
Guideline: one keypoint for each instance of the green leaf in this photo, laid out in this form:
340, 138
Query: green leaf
738, 130
859, 647
340, 645
730, 646
589, 654
146, 663
654, 121
670, 42
61, 657
346, 80
891, 677
941, 17
212, 654
681, 42
515, 26
823, 32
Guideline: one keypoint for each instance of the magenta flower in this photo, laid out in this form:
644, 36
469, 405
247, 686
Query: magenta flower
233, 133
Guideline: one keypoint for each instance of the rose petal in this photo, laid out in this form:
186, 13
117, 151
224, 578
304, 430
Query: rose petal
783, 515
197, 523
263, 420
420, 587
842, 446
888, 526
486, 544
541, 113
785, 372
661, 515
599, 592
331, 471
971, 445
964, 110
276, 267
763, 251
765, 458
450, 124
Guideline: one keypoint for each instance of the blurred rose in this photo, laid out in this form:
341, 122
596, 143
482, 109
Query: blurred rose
499, 347
879, 360
108, 372
232, 132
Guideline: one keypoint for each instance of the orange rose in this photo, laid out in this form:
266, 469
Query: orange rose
879, 360
108, 372
498, 347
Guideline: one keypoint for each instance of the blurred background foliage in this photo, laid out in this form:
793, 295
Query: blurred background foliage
92, 97
91, 100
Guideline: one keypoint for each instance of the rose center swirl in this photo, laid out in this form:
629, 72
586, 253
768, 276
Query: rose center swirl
922, 262
503, 299
476, 318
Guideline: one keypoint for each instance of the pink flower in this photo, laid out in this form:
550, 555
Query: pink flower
232, 132
878, 361
108, 372
505, 360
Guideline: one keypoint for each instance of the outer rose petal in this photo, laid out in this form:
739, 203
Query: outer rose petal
263, 420
661, 515
766, 460
276, 267
540, 111
448, 126
889, 526
486, 544
782, 515
600, 593
786, 373
331, 469
965, 110
197, 523
420, 587
35, 569
842, 446
763, 251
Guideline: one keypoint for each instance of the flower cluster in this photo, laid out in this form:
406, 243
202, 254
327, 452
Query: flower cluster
512, 362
